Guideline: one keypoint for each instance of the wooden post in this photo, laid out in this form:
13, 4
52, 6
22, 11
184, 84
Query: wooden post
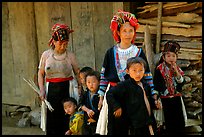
148, 48
159, 27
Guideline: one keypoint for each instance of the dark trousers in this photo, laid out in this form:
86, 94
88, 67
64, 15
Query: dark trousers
57, 121
173, 113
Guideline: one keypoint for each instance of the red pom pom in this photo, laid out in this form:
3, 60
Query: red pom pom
114, 25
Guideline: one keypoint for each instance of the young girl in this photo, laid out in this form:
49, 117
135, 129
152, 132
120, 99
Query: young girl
131, 100
123, 26
168, 80
76, 117
89, 103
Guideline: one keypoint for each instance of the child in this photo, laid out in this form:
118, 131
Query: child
123, 26
82, 74
168, 80
89, 103
76, 118
131, 100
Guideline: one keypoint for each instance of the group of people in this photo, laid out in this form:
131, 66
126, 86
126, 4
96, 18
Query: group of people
118, 100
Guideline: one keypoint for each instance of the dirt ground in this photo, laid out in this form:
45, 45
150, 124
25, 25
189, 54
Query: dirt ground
9, 127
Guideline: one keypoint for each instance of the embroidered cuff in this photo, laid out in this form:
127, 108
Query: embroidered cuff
101, 93
179, 80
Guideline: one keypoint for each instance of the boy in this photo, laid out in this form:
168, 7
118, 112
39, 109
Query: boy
82, 75
89, 103
131, 100
76, 118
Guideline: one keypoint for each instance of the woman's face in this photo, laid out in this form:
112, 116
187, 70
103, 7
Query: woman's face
60, 47
126, 32
136, 71
170, 57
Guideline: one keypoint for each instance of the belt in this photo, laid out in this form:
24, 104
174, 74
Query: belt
113, 84
58, 79
171, 96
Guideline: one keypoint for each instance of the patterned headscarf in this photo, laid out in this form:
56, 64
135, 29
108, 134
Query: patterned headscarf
171, 46
60, 32
120, 18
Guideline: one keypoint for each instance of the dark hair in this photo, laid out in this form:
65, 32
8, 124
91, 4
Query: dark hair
60, 35
171, 46
134, 60
94, 73
71, 99
85, 70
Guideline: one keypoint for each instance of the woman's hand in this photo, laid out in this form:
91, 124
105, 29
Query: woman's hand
118, 112
42, 95
100, 103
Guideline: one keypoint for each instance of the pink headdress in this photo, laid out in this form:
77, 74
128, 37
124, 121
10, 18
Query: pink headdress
120, 18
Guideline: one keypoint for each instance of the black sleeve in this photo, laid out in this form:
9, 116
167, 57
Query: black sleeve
159, 83
114, 95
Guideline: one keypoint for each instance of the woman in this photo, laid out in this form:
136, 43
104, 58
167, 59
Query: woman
54, 76
124, 26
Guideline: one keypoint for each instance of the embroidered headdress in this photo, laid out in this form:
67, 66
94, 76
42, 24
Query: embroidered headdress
171, 46
60, 32
120, 18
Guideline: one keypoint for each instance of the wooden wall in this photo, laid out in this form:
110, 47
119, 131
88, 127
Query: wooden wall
26, 29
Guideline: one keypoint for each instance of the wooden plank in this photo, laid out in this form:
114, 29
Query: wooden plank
191, 50
117, 6
8, 71
166, 37
159, 27
170, 11
189, 18
164, 23
23, 42
189, 45
102, 34
83, 35
189, 56
46, 15
148, 49
195, 31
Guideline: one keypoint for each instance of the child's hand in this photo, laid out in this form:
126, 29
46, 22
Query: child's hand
90, 120
90, 113
158, 104
118, 112
175, 69
174, 66
69, 132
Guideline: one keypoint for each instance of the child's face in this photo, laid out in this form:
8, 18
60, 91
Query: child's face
136, 71
170, 58
92, 83
126, 33
69, 108
82, 78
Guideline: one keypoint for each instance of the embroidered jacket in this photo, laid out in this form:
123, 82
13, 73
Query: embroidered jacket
110, 71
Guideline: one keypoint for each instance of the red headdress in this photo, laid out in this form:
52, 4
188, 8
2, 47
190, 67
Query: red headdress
120, 18
60, 32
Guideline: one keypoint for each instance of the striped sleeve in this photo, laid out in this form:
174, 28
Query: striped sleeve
103, 83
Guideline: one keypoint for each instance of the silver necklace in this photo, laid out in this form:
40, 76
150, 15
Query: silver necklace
53, 55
